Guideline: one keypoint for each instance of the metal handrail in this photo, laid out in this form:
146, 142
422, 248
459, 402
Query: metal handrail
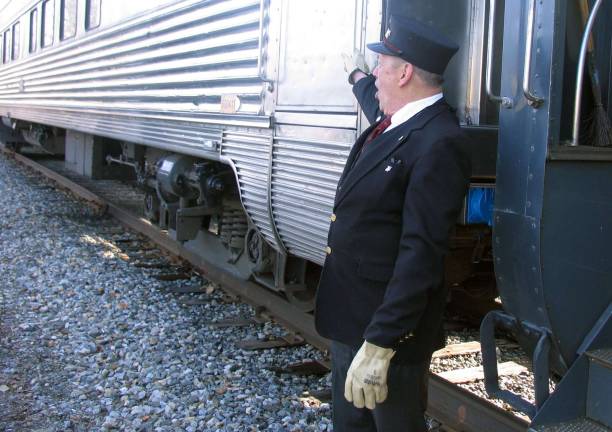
533, 100
505, 101
580, 72
260, 72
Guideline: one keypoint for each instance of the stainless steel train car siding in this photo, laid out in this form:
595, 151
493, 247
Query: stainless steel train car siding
288, 187
145, 71
304, 178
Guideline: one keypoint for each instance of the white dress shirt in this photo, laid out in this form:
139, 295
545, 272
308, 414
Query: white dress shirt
411, 109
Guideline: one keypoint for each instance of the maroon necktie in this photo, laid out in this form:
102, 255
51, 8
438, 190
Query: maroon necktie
380, 128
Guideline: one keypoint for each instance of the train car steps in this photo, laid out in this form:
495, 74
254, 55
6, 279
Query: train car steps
591, 395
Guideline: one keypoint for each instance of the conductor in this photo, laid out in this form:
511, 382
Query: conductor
381, 295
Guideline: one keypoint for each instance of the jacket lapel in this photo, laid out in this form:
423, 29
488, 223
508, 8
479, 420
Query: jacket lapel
380, 148
355, 150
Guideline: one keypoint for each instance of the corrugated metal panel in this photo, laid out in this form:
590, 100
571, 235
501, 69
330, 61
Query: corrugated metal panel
304, 178
250, 155
172, 65
176, 135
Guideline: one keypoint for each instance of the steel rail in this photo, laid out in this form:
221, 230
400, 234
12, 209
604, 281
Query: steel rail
453, 406
77, 189
462, 410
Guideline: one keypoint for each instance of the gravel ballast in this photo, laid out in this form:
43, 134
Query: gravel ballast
92, 338
90, 341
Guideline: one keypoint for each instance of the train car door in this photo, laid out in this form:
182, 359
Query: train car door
311, 38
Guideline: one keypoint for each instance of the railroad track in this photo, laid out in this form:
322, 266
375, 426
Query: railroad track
456, 408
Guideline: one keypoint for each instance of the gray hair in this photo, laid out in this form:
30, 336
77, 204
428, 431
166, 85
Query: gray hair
429, 78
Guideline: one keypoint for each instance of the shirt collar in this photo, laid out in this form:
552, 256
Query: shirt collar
409, 110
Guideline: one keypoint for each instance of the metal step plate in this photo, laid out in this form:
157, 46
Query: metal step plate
602, 356
578, 425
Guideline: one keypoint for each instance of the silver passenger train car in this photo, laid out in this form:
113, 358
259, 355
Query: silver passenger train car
235, 114
236, 118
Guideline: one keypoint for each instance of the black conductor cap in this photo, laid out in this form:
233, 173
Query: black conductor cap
417, 43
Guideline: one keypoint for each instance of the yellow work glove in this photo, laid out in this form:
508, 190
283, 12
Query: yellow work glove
353, 63
366, 380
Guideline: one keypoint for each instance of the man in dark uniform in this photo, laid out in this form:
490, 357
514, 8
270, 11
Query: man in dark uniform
381, 296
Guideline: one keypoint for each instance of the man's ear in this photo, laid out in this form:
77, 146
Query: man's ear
406, 76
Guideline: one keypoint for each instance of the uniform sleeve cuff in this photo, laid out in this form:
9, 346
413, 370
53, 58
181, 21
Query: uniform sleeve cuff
351, 75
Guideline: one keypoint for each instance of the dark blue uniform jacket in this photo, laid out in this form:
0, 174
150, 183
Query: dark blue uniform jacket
394, 210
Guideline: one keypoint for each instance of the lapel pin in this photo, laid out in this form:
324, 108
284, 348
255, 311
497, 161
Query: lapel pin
388, 168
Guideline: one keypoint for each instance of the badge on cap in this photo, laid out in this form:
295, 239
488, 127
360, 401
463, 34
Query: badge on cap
388, 33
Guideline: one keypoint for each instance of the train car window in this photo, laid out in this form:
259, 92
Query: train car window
69, 16
47, 23
33, 30
92, 13
16, 45
6, 46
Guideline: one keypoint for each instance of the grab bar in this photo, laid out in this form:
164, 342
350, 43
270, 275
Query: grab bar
505, 101
533, 100
580, 72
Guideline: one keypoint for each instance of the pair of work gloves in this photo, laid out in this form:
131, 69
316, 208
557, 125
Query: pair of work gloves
353, 64
366, 379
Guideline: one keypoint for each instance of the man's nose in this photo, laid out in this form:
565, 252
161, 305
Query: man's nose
375, 71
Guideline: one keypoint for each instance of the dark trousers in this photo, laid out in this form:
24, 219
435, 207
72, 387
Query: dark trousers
404, 408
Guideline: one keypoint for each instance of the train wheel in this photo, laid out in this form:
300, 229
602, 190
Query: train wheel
301, 295
258, 252
151, 206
